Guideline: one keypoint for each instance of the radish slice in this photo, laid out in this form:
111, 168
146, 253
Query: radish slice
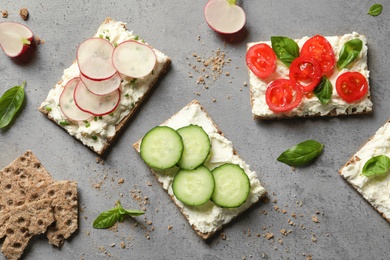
14, 38
224, 16
95, 104
67, 104
102, 87
134, 59
94, 59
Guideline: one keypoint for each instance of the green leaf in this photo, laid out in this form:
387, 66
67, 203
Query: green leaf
375, 10
134, 213
349, 52
10, 103
324, 90
107, 218
302, 153
377, 166
285, 49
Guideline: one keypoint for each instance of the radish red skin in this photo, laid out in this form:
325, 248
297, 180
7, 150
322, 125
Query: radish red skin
5, 28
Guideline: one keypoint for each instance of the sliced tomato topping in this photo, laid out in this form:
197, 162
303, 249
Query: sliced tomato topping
351, 86
306, 73
320, 49
261, 60
283, 95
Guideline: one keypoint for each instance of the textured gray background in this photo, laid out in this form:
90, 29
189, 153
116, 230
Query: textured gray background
349, 228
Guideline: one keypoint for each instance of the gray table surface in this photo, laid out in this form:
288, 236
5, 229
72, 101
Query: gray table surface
348, 228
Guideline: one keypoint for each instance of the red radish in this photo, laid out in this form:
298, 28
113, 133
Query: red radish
67, 104
224, 16
15, 38
95, 104
134, 59
102, 87
94, 59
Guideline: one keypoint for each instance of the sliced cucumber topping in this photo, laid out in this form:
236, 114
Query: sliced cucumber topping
196, 147
161, 148
232, 186
193, 187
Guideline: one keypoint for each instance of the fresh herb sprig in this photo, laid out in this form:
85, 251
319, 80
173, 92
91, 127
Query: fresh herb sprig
108, 218
375, 10
10, 103
377, 166
286, 49
349, 53
302, 153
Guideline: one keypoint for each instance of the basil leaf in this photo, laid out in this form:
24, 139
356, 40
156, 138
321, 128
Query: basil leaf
10, 103
375, 10
377, 166
349, 52
107, 218
302, 153
285, 49
324, 90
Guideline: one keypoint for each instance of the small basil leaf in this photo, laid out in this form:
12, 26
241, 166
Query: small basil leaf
302, 153
10, 103
286, 49
349, 52
107, 218
377, 166
324, 90
375, 10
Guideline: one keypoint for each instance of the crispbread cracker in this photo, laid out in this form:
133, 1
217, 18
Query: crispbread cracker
205, 222
31, 202
99, 140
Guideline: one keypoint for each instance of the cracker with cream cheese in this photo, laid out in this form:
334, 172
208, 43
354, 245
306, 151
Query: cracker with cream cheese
208, 218
99, 132
310, 105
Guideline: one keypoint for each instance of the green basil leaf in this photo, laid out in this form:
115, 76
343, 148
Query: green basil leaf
349, 52
286, 49
107, 218
324, 90
10, 103
302, 153
375, 10
377, 166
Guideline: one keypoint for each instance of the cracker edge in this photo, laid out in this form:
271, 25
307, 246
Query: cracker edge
203, 235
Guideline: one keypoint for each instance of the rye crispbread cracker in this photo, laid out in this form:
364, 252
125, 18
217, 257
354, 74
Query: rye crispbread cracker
375, 190
27, 190
310, 105
100, 140
207, 210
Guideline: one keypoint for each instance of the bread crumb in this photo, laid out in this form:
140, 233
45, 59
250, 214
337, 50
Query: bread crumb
276, 208
265, 200
284, 211
112, 245
315, 219
170, 227
227, 73
314, 239
149, 222
214, 100
100, 160
149, 184
197, 93
223, 236
4, 13
123, 245
269, 235
24, 13
121, 181
280, 241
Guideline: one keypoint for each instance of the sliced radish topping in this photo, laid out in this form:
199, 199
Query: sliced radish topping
95, 104
14, 38
224, 16
102, 87
94, 57
134, 59
68, 105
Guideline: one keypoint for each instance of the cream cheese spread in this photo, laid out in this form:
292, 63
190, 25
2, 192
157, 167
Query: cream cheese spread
96, 132
375, 190
311, 106
209, 217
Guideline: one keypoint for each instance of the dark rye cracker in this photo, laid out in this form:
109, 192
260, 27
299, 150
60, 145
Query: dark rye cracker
107, 141
257, 191
32, 203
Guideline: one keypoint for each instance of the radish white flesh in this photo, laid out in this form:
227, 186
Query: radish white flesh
95, 104
14, 38
102, 87
67, 104
224, 17
94, 57
134, 59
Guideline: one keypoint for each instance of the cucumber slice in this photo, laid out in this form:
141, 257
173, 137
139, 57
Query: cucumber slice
232, 186
193, 187
161, 148
196, 147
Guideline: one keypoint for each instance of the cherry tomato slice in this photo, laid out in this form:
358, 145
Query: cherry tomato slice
306, 73
283, 95
261, 60
320, 49
351, 86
